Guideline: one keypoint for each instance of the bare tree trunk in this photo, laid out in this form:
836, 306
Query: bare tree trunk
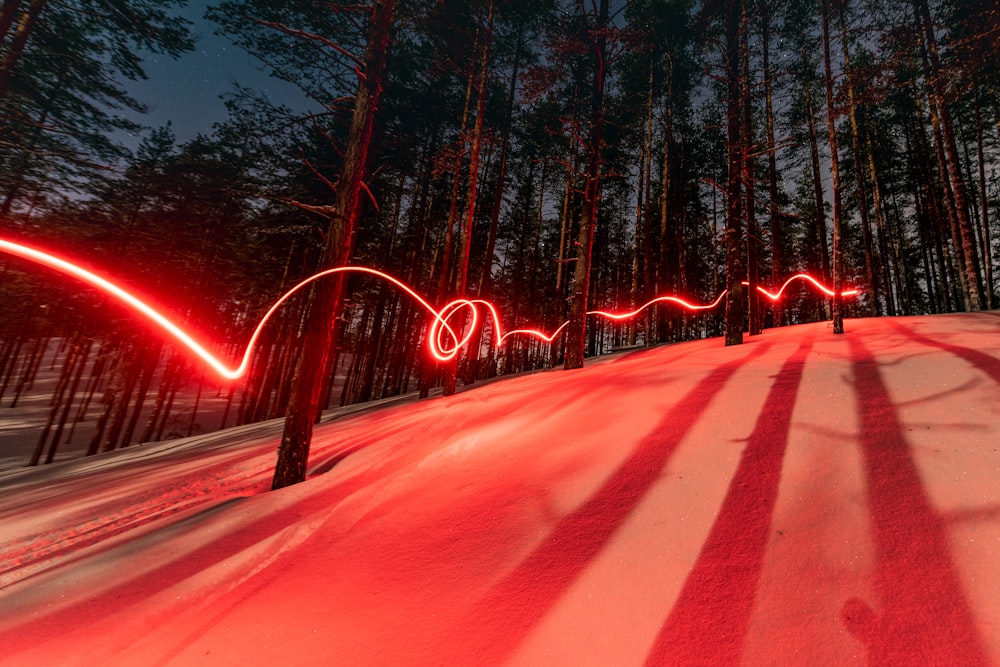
824, 252
753, 240
871, 276
30, 369
485, 288
320, 332
950, 210
640, 257
953, 165
735, 296
475, 148
666, 279
151, 360
81, 363
576, 338
880, 227
774, 212
984, 208
58, 398
838, 270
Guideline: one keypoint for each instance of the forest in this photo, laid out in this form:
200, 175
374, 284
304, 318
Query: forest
553, 157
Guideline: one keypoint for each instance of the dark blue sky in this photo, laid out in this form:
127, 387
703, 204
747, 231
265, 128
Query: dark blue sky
187, 91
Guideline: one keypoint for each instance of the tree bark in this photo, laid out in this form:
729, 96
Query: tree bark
475, 148
984, 208
773, 207
871, 276
485, 288
838, 301
753, 241
824, 252
576, 331
320, 329
735, 296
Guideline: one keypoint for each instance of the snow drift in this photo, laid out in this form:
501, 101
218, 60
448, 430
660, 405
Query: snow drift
803, 498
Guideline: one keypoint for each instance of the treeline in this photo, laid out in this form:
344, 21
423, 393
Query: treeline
550, 156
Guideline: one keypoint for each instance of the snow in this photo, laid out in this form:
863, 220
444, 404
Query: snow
803, 498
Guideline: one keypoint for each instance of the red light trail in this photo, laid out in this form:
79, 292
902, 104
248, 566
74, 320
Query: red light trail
442, 340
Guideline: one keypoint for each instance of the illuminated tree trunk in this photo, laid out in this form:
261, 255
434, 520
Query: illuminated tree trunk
576, 338
735, 296
475, 148
320, 327
838, 301
753, 241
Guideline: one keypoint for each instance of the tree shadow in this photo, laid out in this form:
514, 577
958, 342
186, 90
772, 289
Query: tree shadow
709, 621
503, 617
987, 364
923, 617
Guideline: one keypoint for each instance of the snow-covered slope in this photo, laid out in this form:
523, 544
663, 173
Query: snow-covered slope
801, 499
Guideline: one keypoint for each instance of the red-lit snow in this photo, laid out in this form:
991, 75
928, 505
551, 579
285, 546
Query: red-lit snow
802, 499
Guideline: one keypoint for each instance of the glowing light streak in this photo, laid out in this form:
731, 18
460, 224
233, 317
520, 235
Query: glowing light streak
548, 338
442, 340
775, 296
660, 299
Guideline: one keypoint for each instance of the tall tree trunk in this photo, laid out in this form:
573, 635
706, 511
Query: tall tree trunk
953, 165
81, 363
871, 277
957, 248
984, 207
838, 270
576, 338
817, 178
880, 226
475, 148
735, 296
666, 275
639, 257
485, 288
753, 241
59, 399
773, 206
320, 332
150, 362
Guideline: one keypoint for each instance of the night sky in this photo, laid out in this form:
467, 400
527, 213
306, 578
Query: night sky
187, 91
